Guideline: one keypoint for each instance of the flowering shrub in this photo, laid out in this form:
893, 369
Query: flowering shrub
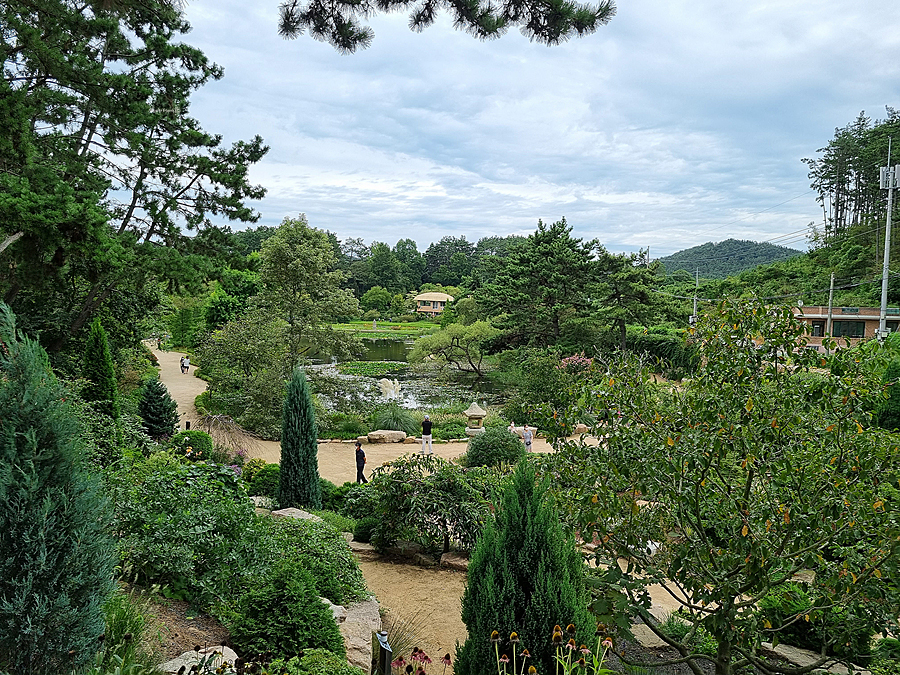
418, 663
577, 363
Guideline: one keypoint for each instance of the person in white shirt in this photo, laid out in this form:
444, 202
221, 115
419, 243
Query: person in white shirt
426, 435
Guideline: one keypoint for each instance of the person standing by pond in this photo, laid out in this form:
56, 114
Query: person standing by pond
426, 435
360, 463
528, 436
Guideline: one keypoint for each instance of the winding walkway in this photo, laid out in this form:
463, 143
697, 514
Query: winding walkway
337, 461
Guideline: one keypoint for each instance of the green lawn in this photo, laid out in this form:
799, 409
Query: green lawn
389, 329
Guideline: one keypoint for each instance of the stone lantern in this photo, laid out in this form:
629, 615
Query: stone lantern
475, 415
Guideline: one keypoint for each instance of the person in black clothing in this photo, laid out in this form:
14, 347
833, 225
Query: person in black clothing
360, 463
426, 435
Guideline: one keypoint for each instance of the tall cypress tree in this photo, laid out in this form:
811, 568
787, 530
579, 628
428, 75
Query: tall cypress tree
56, 555
525, 576
299, 477
158, 410
100, 374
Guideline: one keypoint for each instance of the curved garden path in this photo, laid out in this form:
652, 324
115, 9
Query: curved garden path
337, 461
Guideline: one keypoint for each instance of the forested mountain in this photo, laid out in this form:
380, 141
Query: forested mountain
717, 261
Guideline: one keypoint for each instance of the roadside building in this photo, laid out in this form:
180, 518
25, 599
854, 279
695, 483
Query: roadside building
847, 323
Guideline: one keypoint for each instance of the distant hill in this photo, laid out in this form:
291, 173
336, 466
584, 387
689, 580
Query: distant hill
717, 261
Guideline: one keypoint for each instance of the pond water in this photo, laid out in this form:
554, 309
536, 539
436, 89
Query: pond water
417, 389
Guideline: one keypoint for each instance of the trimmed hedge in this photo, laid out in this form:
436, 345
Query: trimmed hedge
193, 444
493, 447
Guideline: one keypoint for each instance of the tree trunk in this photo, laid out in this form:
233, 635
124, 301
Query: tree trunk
723, 659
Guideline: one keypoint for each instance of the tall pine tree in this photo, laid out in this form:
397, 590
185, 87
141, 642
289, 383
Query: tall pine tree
56, 555
299, 477
100, 374
525, 576
158, 410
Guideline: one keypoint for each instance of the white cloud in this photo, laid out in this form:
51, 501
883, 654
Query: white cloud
676, 124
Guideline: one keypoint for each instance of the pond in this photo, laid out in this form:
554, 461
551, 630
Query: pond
417, 389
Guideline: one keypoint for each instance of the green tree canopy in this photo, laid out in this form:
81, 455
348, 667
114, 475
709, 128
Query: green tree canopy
760, 467
542, 285
341, 24
301, 286
457, 345
100, 164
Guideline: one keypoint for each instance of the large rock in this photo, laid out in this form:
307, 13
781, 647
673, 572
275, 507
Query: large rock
337, 611
362, 547
221, 656
455, 561
363, 618
386, 436
296, 513
580, 429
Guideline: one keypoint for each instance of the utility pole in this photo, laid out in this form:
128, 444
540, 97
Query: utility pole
693, 319
890, 176
828, 321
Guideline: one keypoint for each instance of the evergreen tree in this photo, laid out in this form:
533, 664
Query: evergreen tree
56, 556
158, 410
299, 481
525, 576
101, 388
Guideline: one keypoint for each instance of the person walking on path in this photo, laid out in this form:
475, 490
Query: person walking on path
186, 364
426, 435
360, 463
527, 436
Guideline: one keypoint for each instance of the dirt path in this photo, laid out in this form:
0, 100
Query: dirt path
427, 599
337, 461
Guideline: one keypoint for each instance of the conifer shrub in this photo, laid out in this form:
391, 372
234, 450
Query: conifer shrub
250, 468
100, 374
525, 576
283, 616
158, 410
192, 444
299, 477
495, 446
56, 555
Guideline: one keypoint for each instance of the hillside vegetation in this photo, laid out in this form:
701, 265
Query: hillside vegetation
717, 261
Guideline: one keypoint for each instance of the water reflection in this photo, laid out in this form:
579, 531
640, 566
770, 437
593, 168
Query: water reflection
419, 389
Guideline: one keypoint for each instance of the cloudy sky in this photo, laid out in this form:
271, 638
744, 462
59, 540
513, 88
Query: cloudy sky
676, 124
